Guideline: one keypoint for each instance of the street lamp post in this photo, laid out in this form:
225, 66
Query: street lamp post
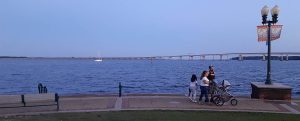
264, 13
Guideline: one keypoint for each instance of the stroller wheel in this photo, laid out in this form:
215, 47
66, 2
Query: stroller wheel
214, 98
234, 102
219, 101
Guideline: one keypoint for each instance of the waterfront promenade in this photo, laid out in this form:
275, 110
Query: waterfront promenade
94, 103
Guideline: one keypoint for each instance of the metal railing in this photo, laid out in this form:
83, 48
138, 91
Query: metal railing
121, 87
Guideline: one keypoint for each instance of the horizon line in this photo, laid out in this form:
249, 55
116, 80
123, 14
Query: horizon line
207, 54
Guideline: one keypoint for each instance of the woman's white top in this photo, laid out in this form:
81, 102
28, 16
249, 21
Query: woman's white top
204, 79
193, 84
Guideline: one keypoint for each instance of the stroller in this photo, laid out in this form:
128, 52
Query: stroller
221, 95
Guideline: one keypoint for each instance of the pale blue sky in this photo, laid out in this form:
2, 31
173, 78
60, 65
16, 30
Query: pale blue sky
140, 27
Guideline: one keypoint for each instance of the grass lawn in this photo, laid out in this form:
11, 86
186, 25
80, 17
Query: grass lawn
157, 116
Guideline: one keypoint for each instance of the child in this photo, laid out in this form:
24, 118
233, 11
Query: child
193, 88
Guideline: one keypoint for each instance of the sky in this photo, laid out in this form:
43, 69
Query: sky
109, 28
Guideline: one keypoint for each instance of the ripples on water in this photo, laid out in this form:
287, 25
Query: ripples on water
84, 76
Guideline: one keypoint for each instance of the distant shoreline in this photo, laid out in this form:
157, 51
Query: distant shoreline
272, 58
13, 57
147, 58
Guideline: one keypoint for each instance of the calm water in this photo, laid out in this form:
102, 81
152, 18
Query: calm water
84, 76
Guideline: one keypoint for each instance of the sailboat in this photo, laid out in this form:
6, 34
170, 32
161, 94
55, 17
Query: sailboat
98, 60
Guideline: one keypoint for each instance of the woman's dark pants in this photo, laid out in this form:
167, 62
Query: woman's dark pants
204, 91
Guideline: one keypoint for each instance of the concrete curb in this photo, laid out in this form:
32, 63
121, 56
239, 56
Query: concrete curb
119, 102
148, 109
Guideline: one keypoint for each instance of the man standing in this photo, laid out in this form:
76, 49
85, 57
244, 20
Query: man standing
211, 75
212, 84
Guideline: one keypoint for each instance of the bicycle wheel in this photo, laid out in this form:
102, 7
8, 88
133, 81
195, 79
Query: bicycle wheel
219, 101
234, 102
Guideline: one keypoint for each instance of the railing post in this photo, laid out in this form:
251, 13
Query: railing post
120, 89
57, 101
23, 100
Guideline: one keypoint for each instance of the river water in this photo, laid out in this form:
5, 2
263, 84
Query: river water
84, 76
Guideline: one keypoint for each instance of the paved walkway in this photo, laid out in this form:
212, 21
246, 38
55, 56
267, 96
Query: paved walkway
151, 102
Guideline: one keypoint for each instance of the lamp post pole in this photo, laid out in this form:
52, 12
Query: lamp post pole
264, 12
268, 80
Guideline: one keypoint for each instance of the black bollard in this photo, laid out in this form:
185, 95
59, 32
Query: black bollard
57, 101
120, 89
40, 87
23, 100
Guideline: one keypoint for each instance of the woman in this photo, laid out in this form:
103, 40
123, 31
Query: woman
204, 85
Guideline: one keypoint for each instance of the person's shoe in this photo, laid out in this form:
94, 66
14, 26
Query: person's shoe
194, 101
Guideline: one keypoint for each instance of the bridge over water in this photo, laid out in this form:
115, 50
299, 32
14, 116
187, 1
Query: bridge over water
219, 56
